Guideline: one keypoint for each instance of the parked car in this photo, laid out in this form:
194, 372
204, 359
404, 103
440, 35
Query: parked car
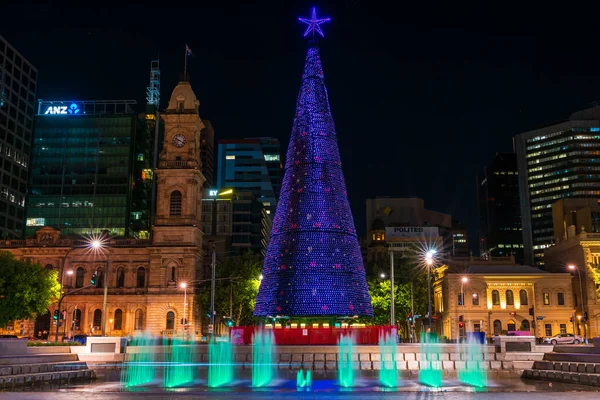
80, 338
564, 338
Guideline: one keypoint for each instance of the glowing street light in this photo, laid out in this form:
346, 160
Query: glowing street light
429, 261
382, 275
260, 277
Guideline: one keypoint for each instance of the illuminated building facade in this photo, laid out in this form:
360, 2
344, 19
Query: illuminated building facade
498, 299
251, 165
555, 162
501, 233
82, 167
17, 102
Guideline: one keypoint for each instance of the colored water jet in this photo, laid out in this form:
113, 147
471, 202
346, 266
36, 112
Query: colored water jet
220, 363
138, 368
263, 354
303, 380
179, 362
473, 355
346, 355
388, 373
430, 372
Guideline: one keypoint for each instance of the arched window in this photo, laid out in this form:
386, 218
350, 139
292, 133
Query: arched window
141, 277
173, 273
49, 266
79, 277
76, 319
175, 204
97, 317
118, 320
511, 326
139, 320
120, 277
525, 325
523, 297
510, 298
497, 327
170, 320
495, 298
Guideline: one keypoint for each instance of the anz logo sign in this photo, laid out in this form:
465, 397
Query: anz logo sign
73, 109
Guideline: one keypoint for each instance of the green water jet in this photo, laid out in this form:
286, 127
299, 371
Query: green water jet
263, 354
430, 372
139, 368
388, 373
472, 354
302, 380
179, 357
220, 363
346, 353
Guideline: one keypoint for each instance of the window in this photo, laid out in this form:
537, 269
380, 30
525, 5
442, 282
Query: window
49, 266
141, 277
461, 299
173, 274
525, 325
175, 204
76, 319
475, 299
79, 277
100, 281
97, 318
510, 298
561, 299
511, 326
495, 298
523, 297
563, 328
118, 323
548, 329
546, 299
121, 277
476, 328
139, 320
497, 327
170, 320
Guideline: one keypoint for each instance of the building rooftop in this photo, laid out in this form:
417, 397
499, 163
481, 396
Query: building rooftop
505, 269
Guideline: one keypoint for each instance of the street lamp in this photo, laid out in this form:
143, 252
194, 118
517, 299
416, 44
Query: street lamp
62, 275
573, 267
463, 280
99, 245
183, 285
429, 261
382, 275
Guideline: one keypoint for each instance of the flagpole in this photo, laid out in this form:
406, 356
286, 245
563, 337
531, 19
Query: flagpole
185, 53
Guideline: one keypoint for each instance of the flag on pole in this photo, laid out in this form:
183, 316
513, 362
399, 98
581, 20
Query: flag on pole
188, 51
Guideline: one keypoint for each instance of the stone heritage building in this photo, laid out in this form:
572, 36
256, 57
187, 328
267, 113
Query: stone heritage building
144, 276
498, 298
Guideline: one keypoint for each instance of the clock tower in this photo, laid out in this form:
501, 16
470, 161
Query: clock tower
179, 176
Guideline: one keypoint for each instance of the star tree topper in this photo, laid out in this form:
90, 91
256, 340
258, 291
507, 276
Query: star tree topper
314, 23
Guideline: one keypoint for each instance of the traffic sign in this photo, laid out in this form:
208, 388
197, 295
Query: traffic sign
541, 317
210, 328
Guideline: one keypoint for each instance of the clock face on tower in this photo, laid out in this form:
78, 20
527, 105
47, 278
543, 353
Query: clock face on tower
178, 140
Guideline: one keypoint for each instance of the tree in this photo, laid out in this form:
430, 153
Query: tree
26, 289
238, 294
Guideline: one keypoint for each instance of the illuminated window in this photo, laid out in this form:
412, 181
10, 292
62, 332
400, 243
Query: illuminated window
170, 320
118, 320
35, 222
495, 298
510, 298
139, 320
523, 297
271, 157
475, 300
147, 174
546, 299
230, 157
140, 157
561, 299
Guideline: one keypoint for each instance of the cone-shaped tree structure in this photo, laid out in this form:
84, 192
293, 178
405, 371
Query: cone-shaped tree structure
313, 265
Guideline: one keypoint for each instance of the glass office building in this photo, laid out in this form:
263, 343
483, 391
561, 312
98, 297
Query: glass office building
556, 162
17, 101
251, 165
81, 167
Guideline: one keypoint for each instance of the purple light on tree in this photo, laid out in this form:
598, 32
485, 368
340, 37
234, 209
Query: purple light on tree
314, 23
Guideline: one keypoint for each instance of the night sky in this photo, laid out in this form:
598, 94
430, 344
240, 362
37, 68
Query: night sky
423, 95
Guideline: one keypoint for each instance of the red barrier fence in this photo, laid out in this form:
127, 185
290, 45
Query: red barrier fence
311, 336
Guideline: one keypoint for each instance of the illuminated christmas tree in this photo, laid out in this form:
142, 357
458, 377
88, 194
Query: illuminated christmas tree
313, 265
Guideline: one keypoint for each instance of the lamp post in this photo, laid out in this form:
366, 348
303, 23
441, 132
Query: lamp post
62, 273
573, 267
463, 280
429, 261
183, 285
392, 301
99, 244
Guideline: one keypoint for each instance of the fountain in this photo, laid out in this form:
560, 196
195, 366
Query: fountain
472, 354
346, 353
303, 381
388, 374
430, 372
263, 351
139, 366
220, 365
179, 356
